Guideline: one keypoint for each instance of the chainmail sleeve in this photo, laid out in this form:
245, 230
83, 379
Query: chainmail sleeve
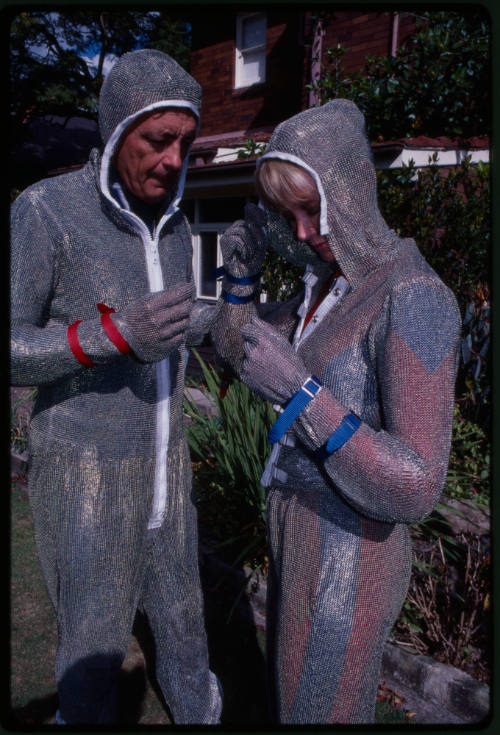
40, 352
396, 473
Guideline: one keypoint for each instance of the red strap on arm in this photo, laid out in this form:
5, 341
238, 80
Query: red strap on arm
110, 328
75, 346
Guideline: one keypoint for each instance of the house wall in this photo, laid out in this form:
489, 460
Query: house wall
288, 60
365, 34
226, 109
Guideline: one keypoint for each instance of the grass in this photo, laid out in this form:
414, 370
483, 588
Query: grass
33, 626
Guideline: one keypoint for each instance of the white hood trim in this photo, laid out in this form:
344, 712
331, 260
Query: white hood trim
323, 223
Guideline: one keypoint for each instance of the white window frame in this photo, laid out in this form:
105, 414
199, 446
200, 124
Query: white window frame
239, 80
197, 232
197, 229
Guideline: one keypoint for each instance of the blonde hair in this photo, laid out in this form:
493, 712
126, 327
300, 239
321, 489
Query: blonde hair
279, 182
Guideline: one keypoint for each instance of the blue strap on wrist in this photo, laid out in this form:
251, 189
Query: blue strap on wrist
340, 436
243, 281
297, 402
232, 299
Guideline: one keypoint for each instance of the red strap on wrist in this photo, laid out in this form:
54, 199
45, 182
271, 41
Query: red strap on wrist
110, 328
75, 346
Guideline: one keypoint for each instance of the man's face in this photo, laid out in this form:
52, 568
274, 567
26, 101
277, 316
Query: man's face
152, 150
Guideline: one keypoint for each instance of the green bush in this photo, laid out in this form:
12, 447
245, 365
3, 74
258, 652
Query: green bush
468, 475
447, 212
436, 85
280, 279
20, 412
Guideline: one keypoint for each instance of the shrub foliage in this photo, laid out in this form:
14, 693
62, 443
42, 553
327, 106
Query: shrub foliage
437, 84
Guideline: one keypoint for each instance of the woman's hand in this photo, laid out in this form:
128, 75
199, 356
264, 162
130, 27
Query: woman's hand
271, 367
243, 244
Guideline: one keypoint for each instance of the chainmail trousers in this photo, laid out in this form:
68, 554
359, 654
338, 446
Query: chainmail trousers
384, 344
109, 463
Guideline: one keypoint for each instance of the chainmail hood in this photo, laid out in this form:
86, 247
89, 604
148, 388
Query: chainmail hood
330, 142
139, 82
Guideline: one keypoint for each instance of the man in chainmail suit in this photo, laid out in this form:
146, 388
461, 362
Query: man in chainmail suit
362, 365
102, 308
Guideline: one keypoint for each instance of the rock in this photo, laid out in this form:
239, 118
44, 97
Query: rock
465, 516
461, 697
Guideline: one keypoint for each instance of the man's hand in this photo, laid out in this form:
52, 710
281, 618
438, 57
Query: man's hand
155, 325
271, 367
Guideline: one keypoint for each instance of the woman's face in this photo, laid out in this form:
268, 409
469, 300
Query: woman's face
304, 221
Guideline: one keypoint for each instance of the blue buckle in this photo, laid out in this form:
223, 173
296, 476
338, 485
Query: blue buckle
297, 402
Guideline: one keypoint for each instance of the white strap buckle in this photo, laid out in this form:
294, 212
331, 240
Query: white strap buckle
314, 389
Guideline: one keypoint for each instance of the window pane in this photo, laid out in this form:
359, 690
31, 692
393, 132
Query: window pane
208, 263
253, 69
223, 209
253, 31
187, 206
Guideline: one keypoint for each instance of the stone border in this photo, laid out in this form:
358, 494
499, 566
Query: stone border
439, 684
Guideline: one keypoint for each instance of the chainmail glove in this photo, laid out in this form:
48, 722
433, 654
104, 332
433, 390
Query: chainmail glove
271, 367
243, 248
155, 325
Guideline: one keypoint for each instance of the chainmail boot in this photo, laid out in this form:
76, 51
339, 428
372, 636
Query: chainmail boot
383, 344
109, 463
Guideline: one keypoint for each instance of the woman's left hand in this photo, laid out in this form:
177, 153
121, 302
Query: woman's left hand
271, 367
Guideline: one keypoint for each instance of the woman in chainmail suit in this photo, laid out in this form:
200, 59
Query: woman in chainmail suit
101, 308
363, 363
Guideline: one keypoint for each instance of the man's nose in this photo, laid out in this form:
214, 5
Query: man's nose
172, 158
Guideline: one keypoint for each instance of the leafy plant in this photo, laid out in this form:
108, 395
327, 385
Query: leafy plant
436, 84
469, 467
446, 612
280, 279
19, 419
251, 149
230, 451
448, 213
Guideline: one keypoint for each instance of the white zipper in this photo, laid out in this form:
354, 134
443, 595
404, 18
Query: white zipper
163, 391
155, 280
163, 387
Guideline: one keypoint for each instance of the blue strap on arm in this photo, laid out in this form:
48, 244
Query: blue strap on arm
297, 402
340, 436
243, 281
232, 299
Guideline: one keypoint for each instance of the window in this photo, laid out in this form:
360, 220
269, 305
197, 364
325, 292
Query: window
209, 218
207, 264
250, 63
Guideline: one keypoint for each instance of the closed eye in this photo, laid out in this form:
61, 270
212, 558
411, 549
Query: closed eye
160, 141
